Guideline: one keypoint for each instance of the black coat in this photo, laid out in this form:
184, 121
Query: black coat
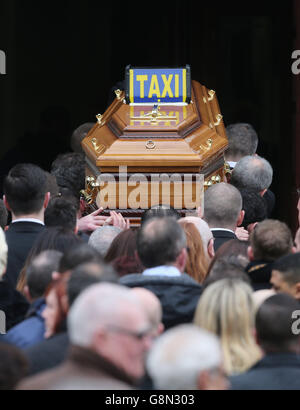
178, 295
20, 238
221, 236
280, 371
260, 273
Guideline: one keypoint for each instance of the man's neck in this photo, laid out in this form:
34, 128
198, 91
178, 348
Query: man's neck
39, 216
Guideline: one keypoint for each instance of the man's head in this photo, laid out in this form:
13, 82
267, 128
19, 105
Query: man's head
109, 320
152, 306
3, 253
3, 215
77, 255
162, 241
39, 273
274, 324
61, 212
205, 233
102, 238
242, 141
223, 206
270, 240
159, 211
25, 190
79, 134
255, 207
252, 172
286, 275
186, 357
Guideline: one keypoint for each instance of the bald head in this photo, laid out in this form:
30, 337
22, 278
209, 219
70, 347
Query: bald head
222, 206
151, 306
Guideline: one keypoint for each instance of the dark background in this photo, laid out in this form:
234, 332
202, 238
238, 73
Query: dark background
64, 57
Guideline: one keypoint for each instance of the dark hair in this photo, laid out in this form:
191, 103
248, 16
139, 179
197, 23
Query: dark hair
233, 247
25, 188
274, 322
289, 267
3, 215
228, 266
39, 272
87, 274
159, 241
77, 255
255, 207
242, 140
13, 366
61, 212
69, 170
159, 211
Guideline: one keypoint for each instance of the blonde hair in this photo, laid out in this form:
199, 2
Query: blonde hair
197, 260
226, 308
3, 253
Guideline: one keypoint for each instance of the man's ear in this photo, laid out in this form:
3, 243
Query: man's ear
250, 253
297, 290
240, 218
6, 203
262, 193
210, 248
27, 293
181, 260
47, 199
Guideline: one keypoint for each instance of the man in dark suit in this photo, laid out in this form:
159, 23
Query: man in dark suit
277, 333
26, 197
223, 212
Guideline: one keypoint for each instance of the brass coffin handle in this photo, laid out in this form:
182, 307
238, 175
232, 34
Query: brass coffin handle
211, 94
219, 118
150, 144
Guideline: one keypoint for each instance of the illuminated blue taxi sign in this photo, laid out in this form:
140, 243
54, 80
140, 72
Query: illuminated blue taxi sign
158, 85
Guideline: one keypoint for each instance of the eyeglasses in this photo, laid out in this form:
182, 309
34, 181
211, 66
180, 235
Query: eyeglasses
137, 335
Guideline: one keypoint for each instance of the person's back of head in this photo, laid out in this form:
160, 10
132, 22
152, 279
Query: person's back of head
25, 188
13, 366
255, 208
69, 170
242, 141
3, 215
270, 240
39, 272
159, 211
252, 172
226, 308
222, 206
184, 358
61, 212
3, 253
204, 231
286, 275
79, 134
77, 255
160, 241
102, 238
276, 329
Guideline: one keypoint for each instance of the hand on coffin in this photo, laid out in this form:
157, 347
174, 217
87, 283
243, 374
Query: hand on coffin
118, 220
92, 221
242, 234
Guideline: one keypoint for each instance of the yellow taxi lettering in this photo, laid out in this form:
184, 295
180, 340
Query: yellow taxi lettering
167, 84
154, 87
142, 79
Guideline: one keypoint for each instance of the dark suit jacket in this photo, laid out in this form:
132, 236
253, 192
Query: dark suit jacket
20, 238
277, 371
221, 237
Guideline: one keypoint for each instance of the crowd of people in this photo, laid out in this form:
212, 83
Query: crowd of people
205, 301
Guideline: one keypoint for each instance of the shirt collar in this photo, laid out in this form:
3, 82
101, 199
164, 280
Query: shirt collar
163, 270
37, 221
232, 164
221, 229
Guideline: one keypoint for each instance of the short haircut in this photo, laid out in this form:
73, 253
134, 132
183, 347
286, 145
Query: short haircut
39, 272
159, 211
3, 215
242, 140
222, 205
69, 170
274, 322
159, 242
77, 255
252, 172
3, 253
25, 189
102, 238
13, 366
270, 240
255, 207
88, 274
61, 212
179, 356
289, 268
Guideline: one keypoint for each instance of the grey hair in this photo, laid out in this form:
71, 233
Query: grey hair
222, 205
180, 355
102, 238
252, 172
242, 140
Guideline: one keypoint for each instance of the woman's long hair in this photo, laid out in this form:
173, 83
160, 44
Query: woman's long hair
226, 309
